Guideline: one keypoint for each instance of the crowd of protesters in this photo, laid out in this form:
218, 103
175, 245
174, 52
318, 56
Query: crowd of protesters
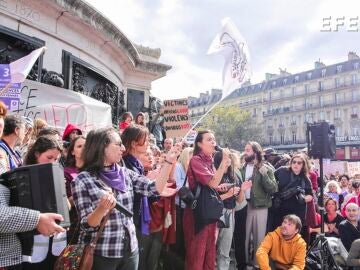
268, 202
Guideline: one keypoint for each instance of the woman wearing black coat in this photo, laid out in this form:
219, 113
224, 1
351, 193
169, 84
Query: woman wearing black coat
294, 189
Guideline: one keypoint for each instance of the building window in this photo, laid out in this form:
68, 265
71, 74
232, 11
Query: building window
282, 138
308, 118
293, 119
321, 86
284, 81
338, 98
355, 130
273, 83
338, 131
270, 95
337, 114
281, 93
322, 116
354, 79
356, 65
337, 82
271, 139
354, 95
338, 68
296, 79
282, 123
307, 88
308, 75
323, 72
321, 101
354, 110
294, 137
293, 91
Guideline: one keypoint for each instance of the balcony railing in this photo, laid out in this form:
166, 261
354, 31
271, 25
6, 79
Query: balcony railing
288, 142
313, 91
311, 106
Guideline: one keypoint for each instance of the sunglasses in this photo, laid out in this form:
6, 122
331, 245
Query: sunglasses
297, 162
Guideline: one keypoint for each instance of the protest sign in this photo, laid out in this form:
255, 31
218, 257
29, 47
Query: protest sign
59, 107
176, 115
353, 169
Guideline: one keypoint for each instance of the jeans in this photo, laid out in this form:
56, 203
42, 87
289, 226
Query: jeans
224, 242
130, 261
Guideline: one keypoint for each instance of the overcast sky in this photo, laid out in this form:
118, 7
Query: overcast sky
280, 34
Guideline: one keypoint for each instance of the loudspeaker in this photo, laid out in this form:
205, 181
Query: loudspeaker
321, 140
39, 187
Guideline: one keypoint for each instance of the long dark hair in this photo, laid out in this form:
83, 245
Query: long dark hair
70, 158
41, 145
305, 168
198, 139
93, 155
134, 133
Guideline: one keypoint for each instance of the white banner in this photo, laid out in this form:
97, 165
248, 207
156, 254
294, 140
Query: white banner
59, 107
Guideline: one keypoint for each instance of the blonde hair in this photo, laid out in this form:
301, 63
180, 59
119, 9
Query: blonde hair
39, 124
333, 182
185, 157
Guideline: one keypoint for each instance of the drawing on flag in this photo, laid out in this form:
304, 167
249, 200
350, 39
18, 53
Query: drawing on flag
231, 44
237, 69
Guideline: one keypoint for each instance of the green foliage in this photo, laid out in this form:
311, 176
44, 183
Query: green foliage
233, 127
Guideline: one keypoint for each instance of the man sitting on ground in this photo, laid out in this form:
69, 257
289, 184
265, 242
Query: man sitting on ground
283, 248
349, 229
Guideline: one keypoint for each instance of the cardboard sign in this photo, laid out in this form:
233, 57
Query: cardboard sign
59, 107
353, 169
176, 115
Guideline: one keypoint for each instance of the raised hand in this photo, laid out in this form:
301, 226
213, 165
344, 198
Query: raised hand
171, 156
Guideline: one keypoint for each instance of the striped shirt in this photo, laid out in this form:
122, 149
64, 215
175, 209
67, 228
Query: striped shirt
119, 229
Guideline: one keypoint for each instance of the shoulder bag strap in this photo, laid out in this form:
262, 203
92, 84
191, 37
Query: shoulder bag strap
102, 225
198, 185
76, 231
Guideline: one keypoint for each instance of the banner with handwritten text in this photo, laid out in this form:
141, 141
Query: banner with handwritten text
176, 115
59, 107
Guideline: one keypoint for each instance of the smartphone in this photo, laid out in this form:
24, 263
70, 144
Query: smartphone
230, 185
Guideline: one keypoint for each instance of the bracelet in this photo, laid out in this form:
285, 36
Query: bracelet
168, 162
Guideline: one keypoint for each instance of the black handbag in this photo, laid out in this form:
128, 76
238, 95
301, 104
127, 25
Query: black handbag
209, 207
288, 192
187, 196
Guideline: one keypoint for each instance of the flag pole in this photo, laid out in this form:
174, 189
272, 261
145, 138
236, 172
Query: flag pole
201, 118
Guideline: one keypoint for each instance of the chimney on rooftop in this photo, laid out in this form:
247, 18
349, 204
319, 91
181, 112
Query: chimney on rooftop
319, 64
352, 56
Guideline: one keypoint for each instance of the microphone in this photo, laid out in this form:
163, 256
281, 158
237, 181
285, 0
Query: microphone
118, 206
218, 148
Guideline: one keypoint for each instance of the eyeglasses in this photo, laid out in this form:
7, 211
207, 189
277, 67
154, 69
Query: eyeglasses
297, 162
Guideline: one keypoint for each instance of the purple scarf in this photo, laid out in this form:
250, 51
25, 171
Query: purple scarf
114, 177
145, 217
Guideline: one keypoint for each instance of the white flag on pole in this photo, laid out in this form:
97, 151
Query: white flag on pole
231, 44
20, 68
